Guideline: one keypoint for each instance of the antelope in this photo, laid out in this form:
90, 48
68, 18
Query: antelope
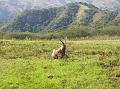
60, 52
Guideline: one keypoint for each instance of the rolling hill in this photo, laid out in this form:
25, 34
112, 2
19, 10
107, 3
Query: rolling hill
54, 19
11, 8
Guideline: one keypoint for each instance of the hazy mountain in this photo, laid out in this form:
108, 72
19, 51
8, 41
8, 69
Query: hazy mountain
10, 8
54, 19
107, 4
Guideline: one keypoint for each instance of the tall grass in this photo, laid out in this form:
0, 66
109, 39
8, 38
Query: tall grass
28, 64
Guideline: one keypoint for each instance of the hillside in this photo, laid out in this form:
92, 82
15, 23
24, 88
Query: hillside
38, 20
7, 10
54, 19
11, 8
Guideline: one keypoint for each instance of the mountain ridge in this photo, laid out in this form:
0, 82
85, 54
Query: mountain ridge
55, 19
11, 8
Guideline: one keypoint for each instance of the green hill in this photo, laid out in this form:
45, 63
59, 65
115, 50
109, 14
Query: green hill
55, 19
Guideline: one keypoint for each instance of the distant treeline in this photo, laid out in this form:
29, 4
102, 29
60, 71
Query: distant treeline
71, 33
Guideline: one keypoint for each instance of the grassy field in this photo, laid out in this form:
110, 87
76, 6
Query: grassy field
91, 64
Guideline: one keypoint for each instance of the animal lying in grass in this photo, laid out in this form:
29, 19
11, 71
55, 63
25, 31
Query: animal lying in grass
60, 52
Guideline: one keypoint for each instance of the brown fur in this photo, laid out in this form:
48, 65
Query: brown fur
60, 52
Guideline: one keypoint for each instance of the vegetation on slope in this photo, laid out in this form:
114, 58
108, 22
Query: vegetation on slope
55, 19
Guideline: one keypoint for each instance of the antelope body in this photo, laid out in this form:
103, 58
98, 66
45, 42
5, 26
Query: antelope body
60, 52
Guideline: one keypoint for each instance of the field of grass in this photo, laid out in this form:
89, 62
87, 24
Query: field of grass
91, 64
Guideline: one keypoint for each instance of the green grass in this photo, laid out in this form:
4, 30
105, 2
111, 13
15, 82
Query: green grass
91, 65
